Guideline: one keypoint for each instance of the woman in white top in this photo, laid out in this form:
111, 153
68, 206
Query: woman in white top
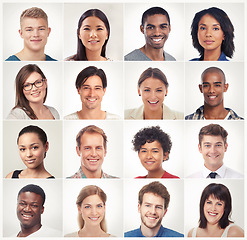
31, 93
91, 213
153, 88
215, 210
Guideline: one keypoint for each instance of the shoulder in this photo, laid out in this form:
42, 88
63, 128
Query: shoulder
72, 116
48, 58
235, 231
233, 115
109, 176
111, 116
169, 57
196, 175
168, 175
134, 113
166, 232
12, 58
9, 175
17, 113
230, 173
54, 112
73, 234
133, 233
190, 232
190, 117
136, 55
171, 114
45, 231
70, 58
195, 59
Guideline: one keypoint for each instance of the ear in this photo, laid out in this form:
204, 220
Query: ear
226, 87
200, 87
49, 31
105, 152
79, 209
199, 147
170, 28
226, 146
166, 92
142, 29
104, 91
42, 210
45, 82
20, 32
139, 91
78, 91
139, 207
165, 212
46, 146
78, 151
165, 156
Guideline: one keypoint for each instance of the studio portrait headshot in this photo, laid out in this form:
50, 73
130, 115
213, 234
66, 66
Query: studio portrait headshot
153, 205
33, 25
213, 147
30, 209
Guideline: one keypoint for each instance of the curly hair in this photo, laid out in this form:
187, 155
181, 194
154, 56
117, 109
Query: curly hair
151, 134
227, 45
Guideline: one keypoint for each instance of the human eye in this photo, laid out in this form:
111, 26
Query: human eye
147, 205
159, 90
150, 27
146, 90
87, 207
216, 28
143, 150
205, 85
86, 148
165, 26
208, 202
86, 28
22, 149
99, 148
34, 206
22, 204
27, 85
85, 88
99, 205
35, 147
202, 28
42, 28
159, 207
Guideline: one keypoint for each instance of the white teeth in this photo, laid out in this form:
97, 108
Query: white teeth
212, 97
212, 214
153, 102
157, 40
91, 160
27, 216
91, 99
94, 219
152, 218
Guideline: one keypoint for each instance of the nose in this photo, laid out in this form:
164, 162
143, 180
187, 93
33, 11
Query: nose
29, 153
208, 33
157, 31
211, 89
35, 32
91, 92
149, 155
93, 33
93, 211
93, 152
27, 208
153, 210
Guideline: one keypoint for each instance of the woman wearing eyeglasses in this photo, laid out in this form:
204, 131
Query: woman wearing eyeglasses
31, 93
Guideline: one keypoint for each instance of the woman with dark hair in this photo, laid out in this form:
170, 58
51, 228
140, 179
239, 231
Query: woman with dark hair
92, 36
215, 211
31, 93
153, 88
33, 146
212, 35
91, 213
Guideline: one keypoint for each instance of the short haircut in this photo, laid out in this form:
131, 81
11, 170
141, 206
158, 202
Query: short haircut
153, 11
156, 188
151, 134
214, 130
213, 70
222, 193
153, 73
227, 45
89, 72
34, 189
90, 129
34, 12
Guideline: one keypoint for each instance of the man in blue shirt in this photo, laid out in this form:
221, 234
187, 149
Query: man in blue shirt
153, 203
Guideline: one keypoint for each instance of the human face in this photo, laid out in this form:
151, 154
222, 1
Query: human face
152, 210
35, 95
213, 210
153, 92
92, 92
156, 30
92, 210
93, 33
32, 150
91, 152
152, 156
213, 87
34, 32
212, 149
29, 209
210, 34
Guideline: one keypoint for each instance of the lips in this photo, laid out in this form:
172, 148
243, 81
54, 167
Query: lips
35, 94
30, 161
149, 162
209, 42
153, 102
93, 160
212, 214
93, 218
92, 100
152, 218
26, 216
36, 40
157, 39
93, 41
212, 97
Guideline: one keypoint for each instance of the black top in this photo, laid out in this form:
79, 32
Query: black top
17, 172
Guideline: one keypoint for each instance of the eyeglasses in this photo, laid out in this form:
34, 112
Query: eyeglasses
37, 84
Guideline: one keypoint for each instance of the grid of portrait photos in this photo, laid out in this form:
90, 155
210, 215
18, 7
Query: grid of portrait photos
173, 154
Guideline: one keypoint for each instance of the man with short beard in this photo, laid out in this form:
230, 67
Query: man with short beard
153, 201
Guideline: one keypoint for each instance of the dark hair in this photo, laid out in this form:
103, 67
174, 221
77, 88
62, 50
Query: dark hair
227, 45
213, 70
151, 134
152, 11
220, 192
154, 73
214, 130
20, 99
89, 72
156, 188
81, 51
34, 189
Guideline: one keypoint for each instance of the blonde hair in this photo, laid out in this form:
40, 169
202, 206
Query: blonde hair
34, 12
86, 192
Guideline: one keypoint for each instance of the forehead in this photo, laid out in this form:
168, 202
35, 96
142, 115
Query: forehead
154, 144
33, 77
213, 77
93, 80
92, 139
33, 22
212, 139
213, 198
153, 199
30, 197
156, 19
152, 83
93, 21
208, 19
28, 137
92, 199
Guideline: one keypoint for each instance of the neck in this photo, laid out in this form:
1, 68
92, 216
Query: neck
89, 174
212, 55
149, 114
39, 172
94, 55
91, 231
149, 232
213, 168
38, 108
214, 230
216, 112
27, 231
152, 53
86, 113
27, 55
156, 174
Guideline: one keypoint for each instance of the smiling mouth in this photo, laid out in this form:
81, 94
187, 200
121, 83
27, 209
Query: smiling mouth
212, 97
157, 39
149, 162
151, 217
35, 94
92, 100
30, 161
155, 102
209, 42
26, 215
94, 218
212, 214
93, 41
93, 160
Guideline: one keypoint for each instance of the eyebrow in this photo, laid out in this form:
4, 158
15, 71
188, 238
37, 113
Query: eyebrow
87, 85
151, 148
30, 145
204, 24
213, 83
90, 25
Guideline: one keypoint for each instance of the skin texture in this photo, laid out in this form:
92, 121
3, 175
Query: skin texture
153, 92
93, 35
156, 30
92, 153
29, 210
152, 212
152, 156
210, 37
212, 149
